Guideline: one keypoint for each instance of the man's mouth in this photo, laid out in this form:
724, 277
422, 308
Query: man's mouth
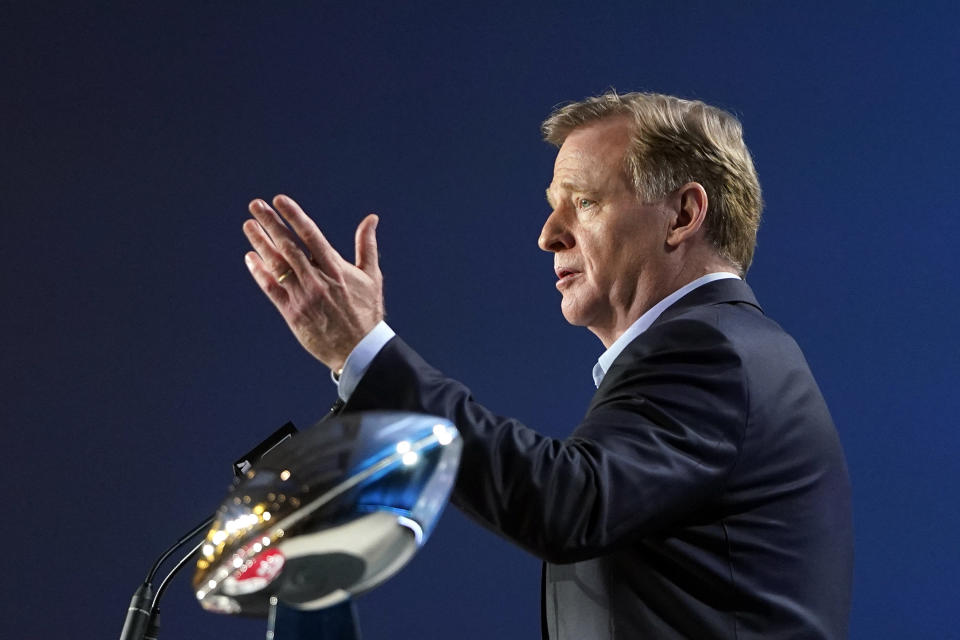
565, 275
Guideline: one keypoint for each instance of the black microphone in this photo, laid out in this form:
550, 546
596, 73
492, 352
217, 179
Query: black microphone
142, 621
138, 615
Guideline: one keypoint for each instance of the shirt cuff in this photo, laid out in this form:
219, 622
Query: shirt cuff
360, 358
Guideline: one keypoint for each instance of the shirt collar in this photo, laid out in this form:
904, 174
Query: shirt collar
643, 323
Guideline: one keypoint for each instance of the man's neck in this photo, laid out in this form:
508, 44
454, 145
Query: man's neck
655, 289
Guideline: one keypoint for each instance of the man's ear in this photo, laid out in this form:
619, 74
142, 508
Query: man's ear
691, 205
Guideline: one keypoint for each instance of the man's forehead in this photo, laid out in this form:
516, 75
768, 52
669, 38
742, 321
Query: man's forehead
575, 164
596, 147
588, 163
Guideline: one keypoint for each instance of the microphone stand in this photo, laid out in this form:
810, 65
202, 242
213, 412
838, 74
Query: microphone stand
143, 615
143, 611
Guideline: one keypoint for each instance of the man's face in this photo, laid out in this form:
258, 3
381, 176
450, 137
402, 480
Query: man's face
607, 245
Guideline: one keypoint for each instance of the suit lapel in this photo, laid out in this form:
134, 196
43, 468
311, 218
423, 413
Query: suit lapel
726, 291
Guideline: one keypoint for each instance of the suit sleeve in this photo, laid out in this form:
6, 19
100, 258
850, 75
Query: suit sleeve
659, 439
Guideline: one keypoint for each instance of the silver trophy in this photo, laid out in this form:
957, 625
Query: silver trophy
327, 515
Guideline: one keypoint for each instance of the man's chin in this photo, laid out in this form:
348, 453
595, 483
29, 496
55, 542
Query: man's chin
573, 314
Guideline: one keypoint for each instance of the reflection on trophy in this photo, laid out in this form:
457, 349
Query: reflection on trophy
328, 514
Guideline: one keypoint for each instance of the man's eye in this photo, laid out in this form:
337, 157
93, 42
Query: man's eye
583, 203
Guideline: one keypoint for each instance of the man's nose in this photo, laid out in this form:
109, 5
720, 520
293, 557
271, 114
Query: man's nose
554, 236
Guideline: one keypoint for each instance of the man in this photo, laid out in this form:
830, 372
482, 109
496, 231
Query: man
705, 493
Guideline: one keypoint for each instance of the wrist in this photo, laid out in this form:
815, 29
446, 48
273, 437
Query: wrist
355, 365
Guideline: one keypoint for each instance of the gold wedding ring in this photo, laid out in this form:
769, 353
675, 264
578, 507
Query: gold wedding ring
284, 276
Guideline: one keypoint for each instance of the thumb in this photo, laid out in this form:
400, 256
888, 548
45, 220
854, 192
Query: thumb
367, 259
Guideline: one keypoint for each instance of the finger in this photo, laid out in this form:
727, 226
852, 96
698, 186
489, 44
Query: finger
367, 259
282, 239
323, 253
263, 245
268, 219
266, 280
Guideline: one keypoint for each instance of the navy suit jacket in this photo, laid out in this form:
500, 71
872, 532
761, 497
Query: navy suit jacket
703, 495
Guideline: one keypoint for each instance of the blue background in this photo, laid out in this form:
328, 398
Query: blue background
139, 358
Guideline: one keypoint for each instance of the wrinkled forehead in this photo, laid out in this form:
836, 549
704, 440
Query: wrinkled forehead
594, 152
603, 141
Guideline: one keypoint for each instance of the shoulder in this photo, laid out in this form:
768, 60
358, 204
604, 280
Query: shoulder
707, 334
702, 357
720, 318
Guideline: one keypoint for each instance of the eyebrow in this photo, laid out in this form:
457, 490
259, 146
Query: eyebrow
569, 186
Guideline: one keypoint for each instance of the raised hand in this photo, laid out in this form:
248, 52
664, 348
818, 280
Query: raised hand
328, 303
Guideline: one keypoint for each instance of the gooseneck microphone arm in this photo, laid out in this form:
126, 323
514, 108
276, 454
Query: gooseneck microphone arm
203, 526
153, 627
142, 615
166, 581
